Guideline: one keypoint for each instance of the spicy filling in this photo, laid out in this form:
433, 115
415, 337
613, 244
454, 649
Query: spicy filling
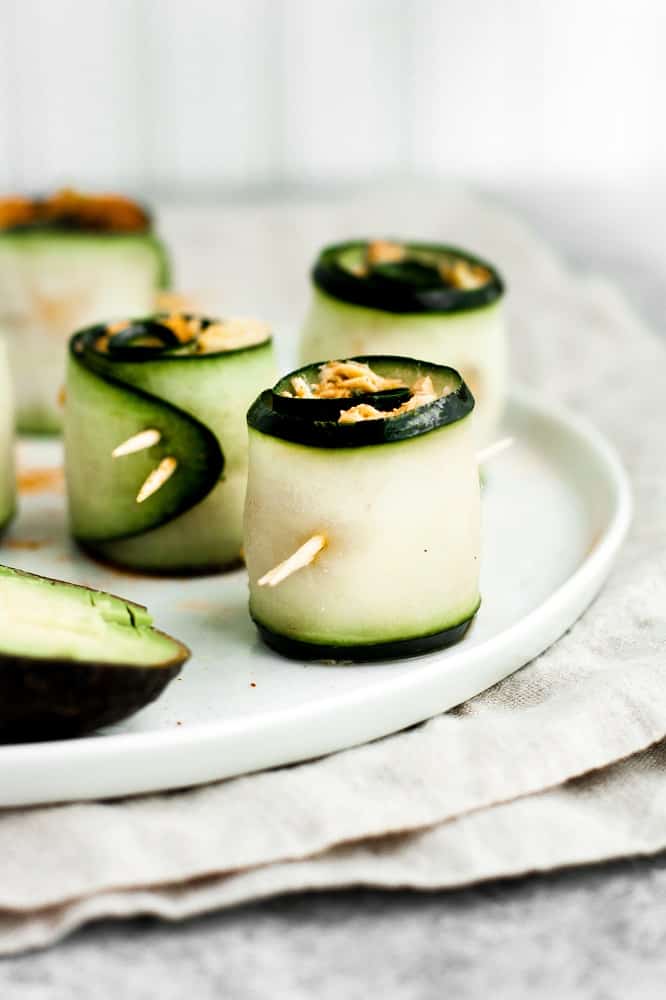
186, 334
346, 379
419, 265
67, 209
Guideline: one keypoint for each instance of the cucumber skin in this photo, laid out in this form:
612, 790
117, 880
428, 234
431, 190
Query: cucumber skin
330, 276
109, 512
37, 407
397, 649
473, 342
208, 537
307, 427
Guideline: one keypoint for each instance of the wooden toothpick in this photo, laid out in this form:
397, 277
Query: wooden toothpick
157, 478
138, 442
299, 559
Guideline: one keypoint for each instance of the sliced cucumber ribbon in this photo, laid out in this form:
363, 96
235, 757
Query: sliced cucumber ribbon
142, 338
118, 488
413, 283
315, 421
327, 522
396, 649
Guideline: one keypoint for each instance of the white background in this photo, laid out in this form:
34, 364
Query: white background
188, 98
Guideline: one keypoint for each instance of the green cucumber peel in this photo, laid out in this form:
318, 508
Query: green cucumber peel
108, 510
410, 286
394, 649
314, 422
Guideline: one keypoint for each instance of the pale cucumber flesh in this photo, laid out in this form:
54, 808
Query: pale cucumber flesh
52, 284
216, 391
402, 523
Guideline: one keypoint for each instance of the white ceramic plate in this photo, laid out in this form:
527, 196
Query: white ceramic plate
556, 509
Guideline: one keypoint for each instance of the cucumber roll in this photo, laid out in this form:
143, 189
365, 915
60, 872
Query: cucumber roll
7, 479
155, 439
362, 518
423, 299
66, 261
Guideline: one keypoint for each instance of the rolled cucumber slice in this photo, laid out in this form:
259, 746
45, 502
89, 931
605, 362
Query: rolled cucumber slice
159, 428
7, 476
396, 500
73, 659
408, 307
62, 268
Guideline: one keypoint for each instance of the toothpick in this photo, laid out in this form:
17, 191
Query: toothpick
308, 551
493, 449
299, 559
140, 441
157, 478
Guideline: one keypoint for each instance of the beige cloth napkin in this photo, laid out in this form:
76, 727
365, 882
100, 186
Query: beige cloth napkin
481, 792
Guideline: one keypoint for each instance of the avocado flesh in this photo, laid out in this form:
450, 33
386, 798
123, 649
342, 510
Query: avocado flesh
49, 619
73, 659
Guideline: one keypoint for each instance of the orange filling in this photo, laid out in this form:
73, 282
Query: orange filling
221, 335
104, 212
16, 211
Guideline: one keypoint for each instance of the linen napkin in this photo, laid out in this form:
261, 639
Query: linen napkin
507, 783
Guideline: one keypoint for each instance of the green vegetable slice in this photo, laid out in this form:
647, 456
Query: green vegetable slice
398, 649
422, 278
155, 418
315, 421
363, 528
103, 490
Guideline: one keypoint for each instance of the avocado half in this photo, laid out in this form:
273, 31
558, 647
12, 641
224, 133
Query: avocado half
73, 659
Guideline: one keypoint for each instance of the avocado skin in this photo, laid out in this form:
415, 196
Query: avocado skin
57, 699
295, 649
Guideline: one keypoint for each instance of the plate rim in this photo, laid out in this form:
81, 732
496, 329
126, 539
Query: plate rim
551, 618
